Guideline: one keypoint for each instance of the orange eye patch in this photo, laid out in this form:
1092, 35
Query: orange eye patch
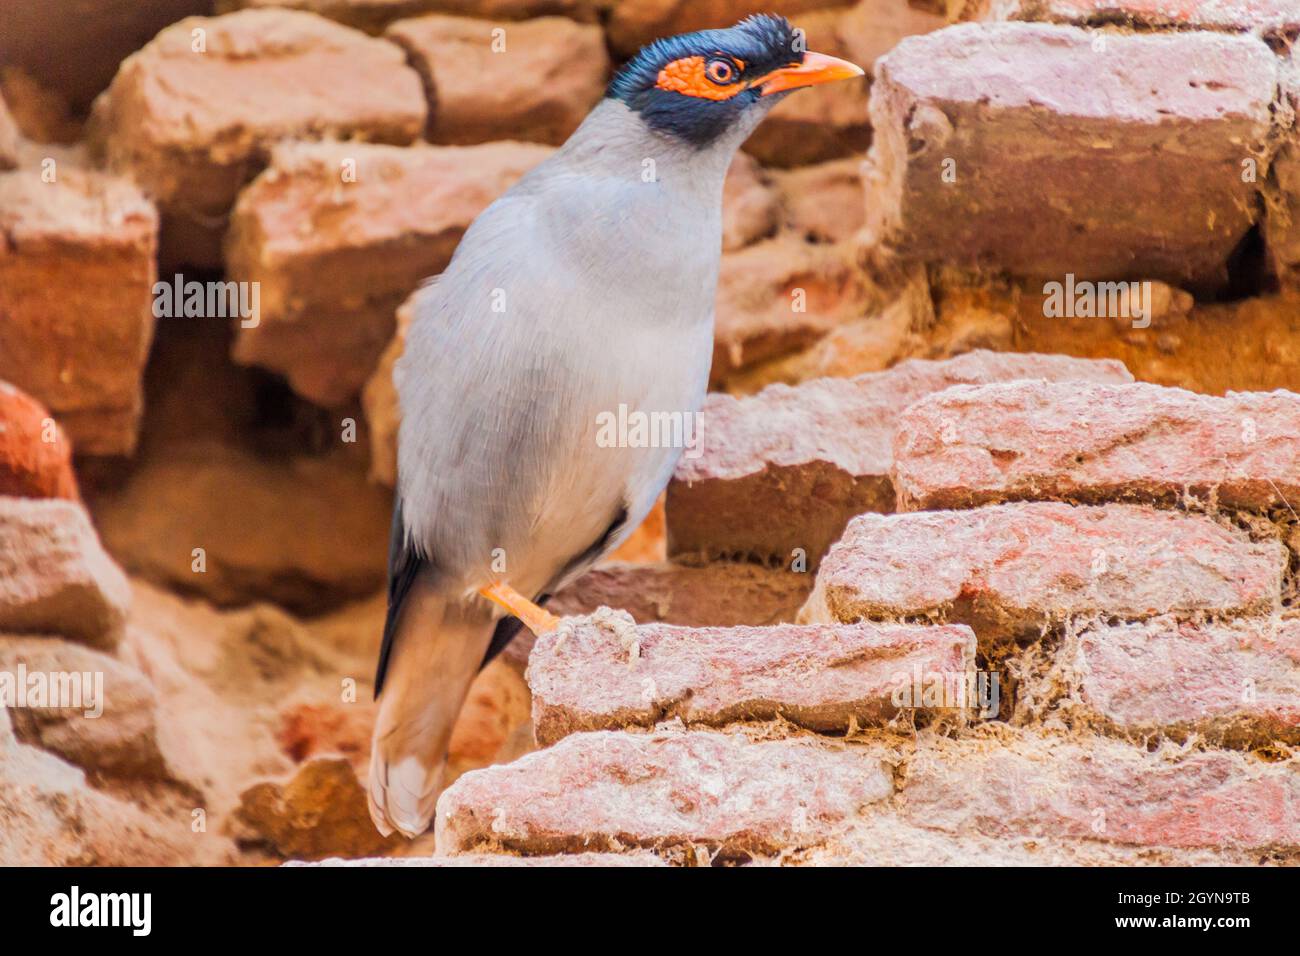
711, 79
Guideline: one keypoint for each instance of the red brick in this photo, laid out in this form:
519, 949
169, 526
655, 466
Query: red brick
1256, 16
373, 15
192, 127
76, 291
335, 259
35, 456
1024, 785
1231, 683
631, 25
1009, 570
1282, 189
1136, 148
10, 138
608, 790
1091, 442
55, 578
818, 453
590, 677
538, 86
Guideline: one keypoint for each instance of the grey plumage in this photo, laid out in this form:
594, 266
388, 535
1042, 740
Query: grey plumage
588, 286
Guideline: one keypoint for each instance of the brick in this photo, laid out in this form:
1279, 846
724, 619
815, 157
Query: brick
1282, 190
193, 127
606, 790
76, 285
373, 15
1025, 785
55, 578
538, 87
823, 202
1237, 684
35, 455
585, 677
10, 138
633, 24
493, 860
818, 454
1010, 570
749, 206
1177, 114
1093, 442
779, 296
335, 259
1269, 17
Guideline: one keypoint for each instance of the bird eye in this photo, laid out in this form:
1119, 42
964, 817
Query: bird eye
720, 71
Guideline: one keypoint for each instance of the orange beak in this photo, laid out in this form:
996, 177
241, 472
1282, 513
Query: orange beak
815, 68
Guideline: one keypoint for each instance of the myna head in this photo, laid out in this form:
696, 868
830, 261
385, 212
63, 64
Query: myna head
697, 86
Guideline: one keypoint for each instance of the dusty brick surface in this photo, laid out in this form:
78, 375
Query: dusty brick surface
10, 138
818, 453
1025, 785
979, 127
749, 207
538, 87
1259, 16
633, 24
604, 790
373, 15
1237, 684
587, 677
192, 127
334, 259
55, 578
76, 287
1281, 228
35, 455
1009, 570
1091, 442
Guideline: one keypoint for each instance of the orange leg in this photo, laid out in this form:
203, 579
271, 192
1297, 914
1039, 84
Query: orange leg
536, 619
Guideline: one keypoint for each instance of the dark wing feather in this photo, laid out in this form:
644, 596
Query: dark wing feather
404, 565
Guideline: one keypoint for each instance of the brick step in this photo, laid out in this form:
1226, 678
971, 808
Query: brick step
1233, 684
1093, 442
1010, 570
1134, 141
608, 790
1016, 785
588, 676
335, 257
819, 453
191, 115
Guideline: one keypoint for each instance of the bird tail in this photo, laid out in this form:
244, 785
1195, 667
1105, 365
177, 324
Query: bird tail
437, 648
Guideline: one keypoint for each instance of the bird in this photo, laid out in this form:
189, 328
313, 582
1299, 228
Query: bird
587, 287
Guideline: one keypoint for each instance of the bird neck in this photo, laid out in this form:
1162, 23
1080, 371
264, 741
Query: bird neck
614, 141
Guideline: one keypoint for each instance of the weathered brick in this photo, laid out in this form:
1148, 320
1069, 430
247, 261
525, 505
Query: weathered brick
35, 456
1025, 785
1137, 148
1009, 570
335, 258
492, 860
591, 677
607, 790
1281, 228
1270, 17
635, 23
1091, 442
1236, 683
55, 578
538, 86
76, 284
192, 126
373, 15
10, 139
818, 454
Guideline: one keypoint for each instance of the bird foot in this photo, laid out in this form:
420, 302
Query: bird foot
536, 619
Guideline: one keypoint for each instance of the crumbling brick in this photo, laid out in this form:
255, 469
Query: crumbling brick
1135, 142
1011, 570
608, 790
587, 676
782, 471
1093, 442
